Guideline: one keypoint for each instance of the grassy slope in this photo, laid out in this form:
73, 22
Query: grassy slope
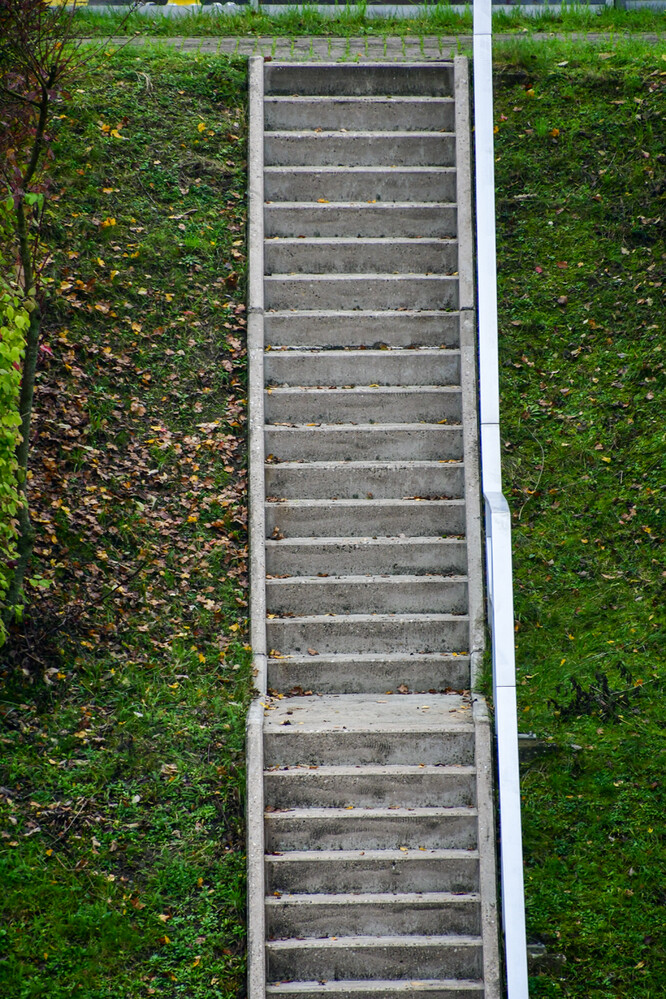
581, 187
122, 854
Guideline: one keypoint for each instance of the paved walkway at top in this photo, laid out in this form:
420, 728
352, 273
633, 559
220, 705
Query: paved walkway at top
393, 47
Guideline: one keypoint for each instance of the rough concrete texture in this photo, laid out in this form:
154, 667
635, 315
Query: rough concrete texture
377, 801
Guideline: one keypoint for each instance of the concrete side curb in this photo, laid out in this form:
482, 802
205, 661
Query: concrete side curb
468, 367
486, 848
256, 950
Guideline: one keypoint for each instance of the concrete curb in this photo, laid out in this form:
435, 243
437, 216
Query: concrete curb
486, 848
473, 531
362, 49
256, 951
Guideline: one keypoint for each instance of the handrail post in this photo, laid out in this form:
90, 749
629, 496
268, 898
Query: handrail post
498, 520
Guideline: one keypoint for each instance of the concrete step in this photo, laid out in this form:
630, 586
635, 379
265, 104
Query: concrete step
373, 870
372, 914
366, 957
358, 674
360, 291
362, 183
370, 114
387, 219
369, 633
429, 366
372, 787
365, 518
366, 441
354, 729
365, 480
305, 595
347, 255
340, 556
364, 404
370, 828
435, 79
353, 327
359, 148
380, 989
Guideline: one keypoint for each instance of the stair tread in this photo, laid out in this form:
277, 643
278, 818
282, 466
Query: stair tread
368, 713
377, 898
371, 657
380, 501
386, 616
379, 986
376, 811
335, 352
359, 99
391, 579
388, 856
393, 464
362, 769
387, 940
360, 275
353, 133
360, 240
400, 541
361, 313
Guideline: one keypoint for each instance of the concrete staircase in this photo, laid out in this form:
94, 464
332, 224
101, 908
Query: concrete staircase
378, 830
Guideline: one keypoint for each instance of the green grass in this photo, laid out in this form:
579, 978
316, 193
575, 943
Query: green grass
122, 700
581, 184
352, 19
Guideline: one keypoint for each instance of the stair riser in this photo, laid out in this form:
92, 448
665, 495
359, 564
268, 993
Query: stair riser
413, 872
362, 405
418, 595
328, 677
390, 257
363, 368
366, 519
378, 220
349, 329
285, 921
336, 78
407, 960
374, 990
359, 184
386, 291
369, 443
358, 149
367, 832
345, 748
351, 481
301, 789
291, 635
411, 115
396, 557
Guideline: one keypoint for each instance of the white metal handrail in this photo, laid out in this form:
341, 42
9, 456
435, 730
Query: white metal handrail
499, 579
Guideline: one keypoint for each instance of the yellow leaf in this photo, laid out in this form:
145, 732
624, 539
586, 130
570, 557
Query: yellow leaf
201, 127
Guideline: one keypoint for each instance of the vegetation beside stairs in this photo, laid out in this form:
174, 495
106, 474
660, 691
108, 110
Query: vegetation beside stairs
123, 699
